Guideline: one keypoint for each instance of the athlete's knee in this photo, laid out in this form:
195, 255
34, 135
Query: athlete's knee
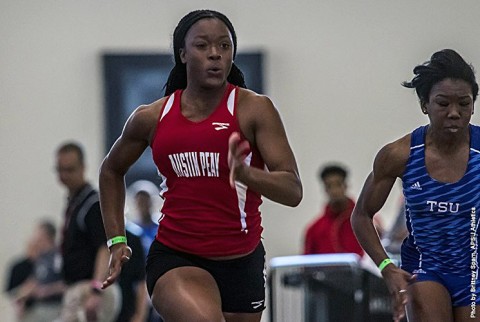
188, 311
208, 318
191, 315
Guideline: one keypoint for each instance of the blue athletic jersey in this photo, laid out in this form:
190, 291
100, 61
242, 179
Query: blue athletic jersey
442, 218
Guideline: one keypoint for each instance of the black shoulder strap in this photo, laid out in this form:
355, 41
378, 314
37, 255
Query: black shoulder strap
91, 197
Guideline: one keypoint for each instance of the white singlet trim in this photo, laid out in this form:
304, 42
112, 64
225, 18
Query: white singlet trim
417, 146
168, 106
231, 101
242, 197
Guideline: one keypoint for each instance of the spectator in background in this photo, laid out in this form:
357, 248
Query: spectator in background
332, 232
84, 244
34, 283
145, 222
143, 204
43, 290
19, 271
21, 268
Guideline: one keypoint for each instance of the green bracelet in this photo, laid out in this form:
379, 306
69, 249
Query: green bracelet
384, 264
116, 240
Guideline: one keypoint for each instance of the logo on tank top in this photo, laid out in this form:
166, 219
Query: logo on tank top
416, 186
195, 164
257, 304
441, 206
221, 126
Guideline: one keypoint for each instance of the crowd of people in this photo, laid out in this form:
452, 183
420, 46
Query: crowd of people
221, 148
59, 277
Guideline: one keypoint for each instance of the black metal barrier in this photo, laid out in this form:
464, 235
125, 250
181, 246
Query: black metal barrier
326, 288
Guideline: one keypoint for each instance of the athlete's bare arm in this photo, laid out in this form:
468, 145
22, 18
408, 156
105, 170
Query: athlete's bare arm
389, 165
134, 139
261, 124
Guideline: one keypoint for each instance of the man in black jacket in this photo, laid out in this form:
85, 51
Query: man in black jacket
84, 244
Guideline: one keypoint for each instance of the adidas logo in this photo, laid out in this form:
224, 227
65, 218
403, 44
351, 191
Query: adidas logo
220, 126
416, 186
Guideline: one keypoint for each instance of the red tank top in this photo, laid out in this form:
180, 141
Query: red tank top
201, 213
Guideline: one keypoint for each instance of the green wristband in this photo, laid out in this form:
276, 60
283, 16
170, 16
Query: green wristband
116, 240
384, 264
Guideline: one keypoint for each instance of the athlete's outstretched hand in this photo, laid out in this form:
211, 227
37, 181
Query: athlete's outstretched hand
397, 281
237, 151
119, 255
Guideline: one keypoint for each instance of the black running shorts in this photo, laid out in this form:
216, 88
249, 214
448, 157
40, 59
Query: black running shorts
241, 280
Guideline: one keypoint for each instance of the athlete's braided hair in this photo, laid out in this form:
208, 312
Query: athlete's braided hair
445, 63
178, 75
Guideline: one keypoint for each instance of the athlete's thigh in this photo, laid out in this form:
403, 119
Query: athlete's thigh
429, 301
243, 317
467, 314
187, 294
